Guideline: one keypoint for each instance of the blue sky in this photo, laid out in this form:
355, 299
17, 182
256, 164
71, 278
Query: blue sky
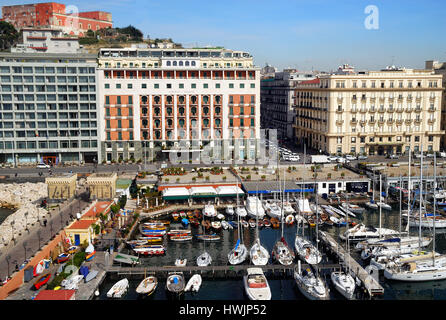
304, 34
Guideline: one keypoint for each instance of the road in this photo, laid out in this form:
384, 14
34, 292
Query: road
29, 243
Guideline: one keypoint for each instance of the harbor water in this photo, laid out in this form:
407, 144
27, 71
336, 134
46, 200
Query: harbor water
281, 289
4, 213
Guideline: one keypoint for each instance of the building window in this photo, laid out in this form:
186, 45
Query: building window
205, 85
144, 86
129, 86
193, 85
107, 86
253, 85
169, 86
181, 85
231, 86
217, 86
118, 86
242, 85
156, 86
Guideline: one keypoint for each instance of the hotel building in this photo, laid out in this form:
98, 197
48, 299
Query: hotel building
376, 112
440, 68
48, 108
169, 100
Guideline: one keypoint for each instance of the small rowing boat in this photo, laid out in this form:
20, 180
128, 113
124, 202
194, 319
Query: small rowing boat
147, 286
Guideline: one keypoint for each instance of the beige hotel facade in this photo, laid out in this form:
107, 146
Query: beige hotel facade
382, 112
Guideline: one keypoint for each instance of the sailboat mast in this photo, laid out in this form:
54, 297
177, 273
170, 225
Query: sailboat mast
421, 197
408, 198
435, 203
401, 199
380, 204
257, 213
282, 193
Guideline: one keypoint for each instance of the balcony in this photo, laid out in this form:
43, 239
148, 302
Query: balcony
417, 109
354, 110
339, 110
363, 110
399, 121
399, 110
408, 121
430, 120
353, 121
372, 121
381, 110
390, 121
339, 122
432, 109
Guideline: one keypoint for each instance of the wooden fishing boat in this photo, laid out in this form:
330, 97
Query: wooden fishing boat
185, 222
194, 283
180, 262
233, 224
153, 233
275, 223
175, 283
289, 220
147, 286
260, 223
183, 214
206, 224
175, 216
198, 215
118, 289
216, 225
181, 238
252, 223
175, 232
38, 268
72, 249
154, 227
189, 214
266, 223
150, 250
165, 222
244, 223
91, 275
42, 281
194, 222
154, 239
90, 256
208, 237
63, 257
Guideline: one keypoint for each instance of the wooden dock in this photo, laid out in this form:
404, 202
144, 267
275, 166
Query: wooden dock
372, 286
222, 271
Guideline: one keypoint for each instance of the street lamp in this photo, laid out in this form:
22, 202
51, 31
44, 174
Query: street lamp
51, 229
38, 236
24, 247
12, 229
8, 258
26, 221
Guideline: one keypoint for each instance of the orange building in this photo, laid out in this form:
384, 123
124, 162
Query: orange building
52, 14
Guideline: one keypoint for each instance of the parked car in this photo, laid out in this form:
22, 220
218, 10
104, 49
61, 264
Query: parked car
333, 158
294, 158
418, 155
362, 157
430, 155
343, 160
442, 154
43, 166
350, 157
393, 156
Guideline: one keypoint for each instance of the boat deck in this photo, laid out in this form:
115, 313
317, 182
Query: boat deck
372, 286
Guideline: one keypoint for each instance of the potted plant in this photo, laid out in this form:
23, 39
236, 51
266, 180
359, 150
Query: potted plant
342, 175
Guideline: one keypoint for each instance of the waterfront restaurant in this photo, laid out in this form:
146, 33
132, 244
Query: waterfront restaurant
202, 194
273, 189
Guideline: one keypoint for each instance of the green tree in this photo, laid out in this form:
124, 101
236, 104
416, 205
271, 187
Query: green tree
133, 189
8, 35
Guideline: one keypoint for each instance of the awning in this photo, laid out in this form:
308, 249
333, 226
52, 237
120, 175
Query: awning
202, 192
227, 191
176, 193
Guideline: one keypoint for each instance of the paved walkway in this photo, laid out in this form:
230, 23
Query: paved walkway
25, 246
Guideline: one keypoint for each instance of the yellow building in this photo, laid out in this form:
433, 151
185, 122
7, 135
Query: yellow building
390, 111
80, 231
102, 185
61, 186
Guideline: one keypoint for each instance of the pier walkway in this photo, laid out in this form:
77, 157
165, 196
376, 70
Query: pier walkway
371, 284
224, 271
